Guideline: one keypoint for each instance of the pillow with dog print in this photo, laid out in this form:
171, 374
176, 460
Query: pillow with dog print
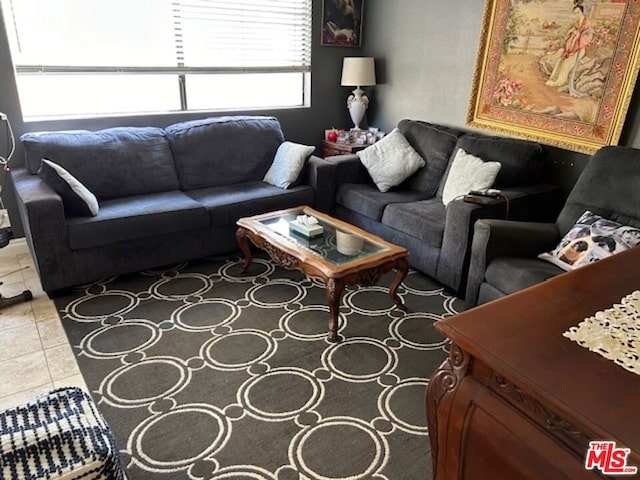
592, 238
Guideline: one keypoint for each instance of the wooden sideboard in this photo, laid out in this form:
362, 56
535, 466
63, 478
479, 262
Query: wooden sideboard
516, 399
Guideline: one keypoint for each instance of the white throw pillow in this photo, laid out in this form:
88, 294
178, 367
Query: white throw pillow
467, 173
76, 198
391, 160
592, 238
287, 164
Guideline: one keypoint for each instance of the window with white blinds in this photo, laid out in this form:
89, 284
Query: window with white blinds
96, 57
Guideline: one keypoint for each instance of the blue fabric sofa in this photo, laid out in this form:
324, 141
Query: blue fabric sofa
165, 195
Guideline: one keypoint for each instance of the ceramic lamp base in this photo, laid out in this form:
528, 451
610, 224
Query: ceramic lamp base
357, 104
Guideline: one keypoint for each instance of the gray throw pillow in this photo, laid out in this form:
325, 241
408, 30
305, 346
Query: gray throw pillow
287, 164
76, 198
391, 160
467, 173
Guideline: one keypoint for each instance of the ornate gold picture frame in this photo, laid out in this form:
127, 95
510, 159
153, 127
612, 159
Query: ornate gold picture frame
559, 72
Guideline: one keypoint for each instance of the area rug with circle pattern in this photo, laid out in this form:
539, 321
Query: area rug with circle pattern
206, 373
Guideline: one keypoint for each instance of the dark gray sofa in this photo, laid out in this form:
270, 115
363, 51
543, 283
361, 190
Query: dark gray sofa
413, 214
504, 255
165, 195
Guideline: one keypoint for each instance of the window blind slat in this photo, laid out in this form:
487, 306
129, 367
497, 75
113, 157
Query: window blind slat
61, 48
244, 33
161, 33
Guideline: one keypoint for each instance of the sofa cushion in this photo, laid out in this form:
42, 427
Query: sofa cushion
224, 150
511, 274
288, 164
521, 160
138, 216
228, 203
76, 198
467, 173
390, 161
424, 220
434, 143
112, 163
367, 200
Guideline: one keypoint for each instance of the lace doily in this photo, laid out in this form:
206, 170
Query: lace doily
613, 333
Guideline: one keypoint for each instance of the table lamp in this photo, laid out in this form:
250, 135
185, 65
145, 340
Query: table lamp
357, 72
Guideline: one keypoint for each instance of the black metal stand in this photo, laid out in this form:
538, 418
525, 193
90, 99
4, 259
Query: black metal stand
5, 235
25, 296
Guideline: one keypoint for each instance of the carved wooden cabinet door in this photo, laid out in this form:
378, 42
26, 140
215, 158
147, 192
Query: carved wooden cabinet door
516, 399
486, 438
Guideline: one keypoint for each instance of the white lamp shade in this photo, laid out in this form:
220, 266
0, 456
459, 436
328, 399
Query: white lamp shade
358, 71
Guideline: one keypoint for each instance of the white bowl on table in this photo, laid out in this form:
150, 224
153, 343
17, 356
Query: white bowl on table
348, 243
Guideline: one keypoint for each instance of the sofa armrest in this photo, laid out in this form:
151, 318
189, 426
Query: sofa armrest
538, 203
456, 239
321, 177
349, 169
43, 219
503, 238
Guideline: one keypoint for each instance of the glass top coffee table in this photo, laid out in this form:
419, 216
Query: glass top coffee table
341, 254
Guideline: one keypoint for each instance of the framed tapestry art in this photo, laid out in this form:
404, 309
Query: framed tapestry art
342, 23
559, 72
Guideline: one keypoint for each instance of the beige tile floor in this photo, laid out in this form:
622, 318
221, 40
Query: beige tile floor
35, 355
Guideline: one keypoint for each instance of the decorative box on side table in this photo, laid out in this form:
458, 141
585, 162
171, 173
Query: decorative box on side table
340, 148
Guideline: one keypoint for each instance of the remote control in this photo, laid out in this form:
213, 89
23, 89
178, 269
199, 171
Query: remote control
489, 192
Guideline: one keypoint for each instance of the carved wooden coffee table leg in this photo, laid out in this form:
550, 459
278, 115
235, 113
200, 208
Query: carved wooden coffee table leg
243, 243
401, 268
334, 289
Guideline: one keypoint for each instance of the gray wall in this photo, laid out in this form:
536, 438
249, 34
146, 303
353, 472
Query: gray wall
425, 54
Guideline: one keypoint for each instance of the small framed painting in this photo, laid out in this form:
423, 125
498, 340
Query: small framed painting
342, 23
